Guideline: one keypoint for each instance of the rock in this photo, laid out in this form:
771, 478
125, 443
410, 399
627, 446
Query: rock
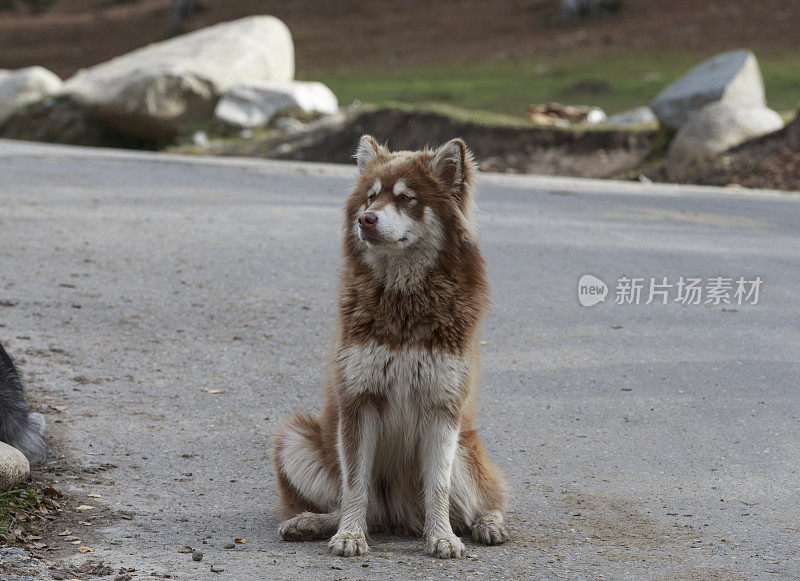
17, 565
14, 467
595, 115
768, 162
714, 129
14, 556
197, 555
253, 104
289, 125
200, 139
24, 86
731, 76
61, 120
150, 92
636, 116
572, 10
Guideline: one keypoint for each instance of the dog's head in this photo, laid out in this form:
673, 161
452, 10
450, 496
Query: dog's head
410, 203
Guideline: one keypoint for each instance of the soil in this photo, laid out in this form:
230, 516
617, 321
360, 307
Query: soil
772, 161
367, 35
541, 150
61, 120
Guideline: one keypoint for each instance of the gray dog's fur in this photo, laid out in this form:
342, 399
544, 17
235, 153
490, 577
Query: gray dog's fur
18, 427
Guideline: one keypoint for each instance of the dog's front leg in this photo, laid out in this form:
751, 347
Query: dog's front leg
358, 437
438, 455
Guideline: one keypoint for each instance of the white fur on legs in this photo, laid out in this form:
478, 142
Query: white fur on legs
438, 455
350, 540
37, 420
308, 526
490, 529
463, 496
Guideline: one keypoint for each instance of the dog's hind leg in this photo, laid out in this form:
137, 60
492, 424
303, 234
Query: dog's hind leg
308, 479
490, 528
308, 526
478, 493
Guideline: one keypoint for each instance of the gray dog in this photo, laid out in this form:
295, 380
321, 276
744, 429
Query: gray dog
18, 427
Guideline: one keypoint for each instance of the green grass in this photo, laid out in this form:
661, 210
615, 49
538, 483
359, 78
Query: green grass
17, 506
507, 87
483, 117
454, 112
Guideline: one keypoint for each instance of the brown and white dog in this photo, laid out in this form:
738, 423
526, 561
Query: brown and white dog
395, 447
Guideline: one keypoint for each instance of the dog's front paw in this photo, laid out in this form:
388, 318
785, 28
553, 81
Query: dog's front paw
444, 546
490, 529
348, 544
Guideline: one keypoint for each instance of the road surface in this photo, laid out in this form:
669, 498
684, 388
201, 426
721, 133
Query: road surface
168, 312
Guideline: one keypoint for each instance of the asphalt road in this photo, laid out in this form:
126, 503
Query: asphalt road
641, 441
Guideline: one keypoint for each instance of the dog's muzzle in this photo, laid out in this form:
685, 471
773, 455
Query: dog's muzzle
368, 227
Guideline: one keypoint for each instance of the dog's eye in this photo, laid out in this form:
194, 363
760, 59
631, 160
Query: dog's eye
407, 198
370, 199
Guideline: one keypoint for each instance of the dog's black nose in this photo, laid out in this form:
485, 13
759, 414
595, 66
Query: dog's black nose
368, 220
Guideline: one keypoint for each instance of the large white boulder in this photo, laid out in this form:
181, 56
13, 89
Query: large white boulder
152, 91
714, 129
255, 104
24, 86
14, 466
636, 116
731, 76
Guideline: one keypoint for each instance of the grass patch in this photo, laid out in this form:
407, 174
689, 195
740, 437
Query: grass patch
492, 119
23, 511
454, 112
507, 87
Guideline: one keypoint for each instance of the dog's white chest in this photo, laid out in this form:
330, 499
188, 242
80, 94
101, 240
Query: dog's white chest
401, 374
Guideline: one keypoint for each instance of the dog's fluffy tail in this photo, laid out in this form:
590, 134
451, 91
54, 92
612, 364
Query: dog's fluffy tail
19, 428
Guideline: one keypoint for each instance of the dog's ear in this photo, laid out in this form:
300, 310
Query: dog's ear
452, 163
367, 150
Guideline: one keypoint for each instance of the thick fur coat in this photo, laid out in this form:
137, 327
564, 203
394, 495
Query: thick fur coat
18, 428
395, 446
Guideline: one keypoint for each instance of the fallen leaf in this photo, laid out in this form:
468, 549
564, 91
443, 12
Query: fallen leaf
240, 541
94, 495
84, 523
186, 549
64, 533
85, 549
84, 507
78, 542
50, 491
213, 391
